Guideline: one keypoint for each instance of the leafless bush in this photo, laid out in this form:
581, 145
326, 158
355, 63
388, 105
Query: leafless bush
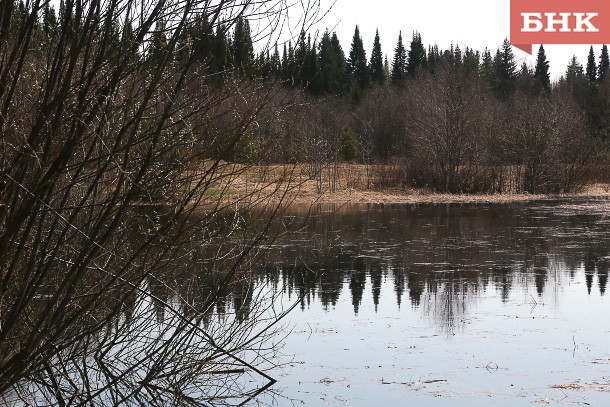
394, 174
111, 182
448, 118
544, 146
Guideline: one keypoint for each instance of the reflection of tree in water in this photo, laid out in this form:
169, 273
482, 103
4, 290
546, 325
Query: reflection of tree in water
356, 282
447, 302
416, 282
602, 276
376, 280
596, 262
442, 257
502, 278
399, 284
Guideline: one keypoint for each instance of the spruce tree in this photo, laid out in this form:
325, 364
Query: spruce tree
376, 65
158, 44
574, 69
183, 45
505, 70
525, 80
591, 67
276, 63
341, 77
574, 75
386, 66
356, 64
203, 42
284, 74
457, 55
242, 50
542, 80
471, 61
399, 63
221, 50
604, 64
332, 70
434, 57
486, 69
49, 20
129, 48
309, 72
417, 55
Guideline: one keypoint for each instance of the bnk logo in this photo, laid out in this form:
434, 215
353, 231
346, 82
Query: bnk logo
559, 22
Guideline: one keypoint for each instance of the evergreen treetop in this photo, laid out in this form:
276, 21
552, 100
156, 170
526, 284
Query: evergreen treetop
399, 63
376, 64
604, 64
417, 55
542, 83
357, 64
591, 72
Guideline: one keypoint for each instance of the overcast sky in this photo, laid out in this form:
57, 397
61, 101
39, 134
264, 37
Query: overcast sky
474, 23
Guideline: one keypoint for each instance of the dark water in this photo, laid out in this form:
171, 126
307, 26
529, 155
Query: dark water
445, 305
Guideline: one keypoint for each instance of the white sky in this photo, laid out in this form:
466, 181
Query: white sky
474, 23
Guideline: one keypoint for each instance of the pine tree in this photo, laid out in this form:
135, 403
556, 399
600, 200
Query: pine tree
376, 64
542, 80
591, 67
356, 64
399, 63
486, 69
417, 55
604, 64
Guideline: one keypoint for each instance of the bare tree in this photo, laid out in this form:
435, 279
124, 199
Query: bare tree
545, 140
448, 120
111, 182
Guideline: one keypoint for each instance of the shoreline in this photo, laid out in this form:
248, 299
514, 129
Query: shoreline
424, 197
272, 185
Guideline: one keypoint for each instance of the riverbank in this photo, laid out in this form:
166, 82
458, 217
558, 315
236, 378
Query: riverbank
351, 183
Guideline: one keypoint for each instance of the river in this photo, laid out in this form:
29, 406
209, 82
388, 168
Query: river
444, 304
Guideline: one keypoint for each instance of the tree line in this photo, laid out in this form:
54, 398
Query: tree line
457, 120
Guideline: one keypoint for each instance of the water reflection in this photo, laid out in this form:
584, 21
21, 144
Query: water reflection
438, 257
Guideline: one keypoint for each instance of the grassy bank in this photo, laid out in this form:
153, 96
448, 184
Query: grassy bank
353, 183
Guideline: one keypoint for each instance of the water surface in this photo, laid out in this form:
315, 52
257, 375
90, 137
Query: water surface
445, 304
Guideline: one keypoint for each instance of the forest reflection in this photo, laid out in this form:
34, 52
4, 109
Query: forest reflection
435, 258
439, 257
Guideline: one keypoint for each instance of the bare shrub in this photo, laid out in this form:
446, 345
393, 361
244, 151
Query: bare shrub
112, 186
448, 119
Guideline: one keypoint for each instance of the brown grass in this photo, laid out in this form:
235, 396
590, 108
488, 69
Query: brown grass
348, 183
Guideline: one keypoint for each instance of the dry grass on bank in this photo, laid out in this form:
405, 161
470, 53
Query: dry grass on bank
347, 183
